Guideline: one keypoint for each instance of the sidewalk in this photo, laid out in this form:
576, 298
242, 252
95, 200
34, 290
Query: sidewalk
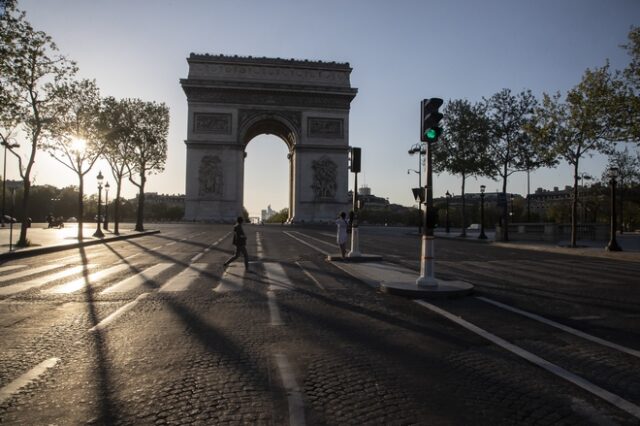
47, 240
629, 242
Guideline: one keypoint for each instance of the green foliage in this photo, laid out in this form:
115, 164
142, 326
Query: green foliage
279, 217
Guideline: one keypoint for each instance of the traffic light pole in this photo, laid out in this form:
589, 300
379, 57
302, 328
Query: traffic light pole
427, 274
355, 242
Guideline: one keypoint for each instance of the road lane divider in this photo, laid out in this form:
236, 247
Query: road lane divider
14, 387
592, 388
294, 394
300, 240
117, 313
562, 327
206, 250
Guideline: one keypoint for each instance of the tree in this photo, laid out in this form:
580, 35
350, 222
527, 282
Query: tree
149, 150
628, 108
578, 126
30, 69
510, 146
628, 172
75, 141
119, 123
462, 149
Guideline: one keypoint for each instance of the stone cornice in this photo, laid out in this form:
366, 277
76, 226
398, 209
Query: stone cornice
236, 59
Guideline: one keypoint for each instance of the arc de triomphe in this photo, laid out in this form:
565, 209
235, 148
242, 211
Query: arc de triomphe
232, 99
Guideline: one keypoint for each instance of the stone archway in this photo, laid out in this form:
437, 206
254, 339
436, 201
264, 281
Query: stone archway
233, 99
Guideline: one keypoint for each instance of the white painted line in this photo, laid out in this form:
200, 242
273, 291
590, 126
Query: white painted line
38, 282
170, 244
30, 271
83, 282
138, 280
277, 277
294, 395
232, 279
311, 277
540, 362
290, 234
259, 246
154, 248
11, 268
562, 327
115, 315
196, 257
132, 256
274, 312
199, 255
12, 388
184, 279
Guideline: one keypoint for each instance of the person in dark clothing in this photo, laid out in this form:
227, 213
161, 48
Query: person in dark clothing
240, 241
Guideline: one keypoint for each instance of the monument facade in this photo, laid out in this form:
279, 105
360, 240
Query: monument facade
233, 99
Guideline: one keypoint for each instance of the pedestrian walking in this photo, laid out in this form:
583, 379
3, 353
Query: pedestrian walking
240, 241
341, 236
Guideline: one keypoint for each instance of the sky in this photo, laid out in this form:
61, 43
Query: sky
401, 51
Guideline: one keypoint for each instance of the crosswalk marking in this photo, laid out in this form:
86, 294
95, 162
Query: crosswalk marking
17, 288
29, 271
232, 280
184, 279
277, 277
11, 267
326, 281
138, 280
82, 282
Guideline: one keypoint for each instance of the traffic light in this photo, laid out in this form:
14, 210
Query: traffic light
355, 160
430, 131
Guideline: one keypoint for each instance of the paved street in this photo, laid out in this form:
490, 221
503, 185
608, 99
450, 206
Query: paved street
152, 330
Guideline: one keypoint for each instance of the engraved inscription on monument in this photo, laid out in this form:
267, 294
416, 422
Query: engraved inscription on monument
324, 178
210, 176
325, 127
212, 123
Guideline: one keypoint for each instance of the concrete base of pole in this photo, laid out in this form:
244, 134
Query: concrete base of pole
442, 289
355, 244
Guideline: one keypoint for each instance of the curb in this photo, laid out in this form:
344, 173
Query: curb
60, 247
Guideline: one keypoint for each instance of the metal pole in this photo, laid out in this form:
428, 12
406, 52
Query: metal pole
447, 196
482, 235
528, 197
427, 274
420, 183
4, 182
98, 232
355, 243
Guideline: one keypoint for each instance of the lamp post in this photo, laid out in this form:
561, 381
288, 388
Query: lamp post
106, 206
4, 176
613, 244
448, 197
420, 150
482, 235
98, 232
511, 212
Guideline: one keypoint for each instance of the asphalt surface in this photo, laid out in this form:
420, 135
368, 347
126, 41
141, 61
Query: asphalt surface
153, 330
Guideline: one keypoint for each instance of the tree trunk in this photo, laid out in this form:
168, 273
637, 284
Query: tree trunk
621, 221
80, 206
464, 216
140, 216
574, 207
22, 241
116, 208
505, 208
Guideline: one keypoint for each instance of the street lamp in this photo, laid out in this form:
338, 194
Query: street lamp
511, 212
448, 197
4, 176
420, 150
106, 206
98, 232
613, 244
482, 235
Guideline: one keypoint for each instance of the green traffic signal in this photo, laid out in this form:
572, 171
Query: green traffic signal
430, 134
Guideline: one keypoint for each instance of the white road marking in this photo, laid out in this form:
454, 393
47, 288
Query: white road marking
199, 255
274, 312
155, 248
328, 282
311, 277
30, 271
232, 279
277, 277
11, 268
139, 279
184, 279
196, 257
83, 282
562, 327
540, 362
116, 314
38, 282
294, 395
170, 244
259, 252
12, 388
290, 234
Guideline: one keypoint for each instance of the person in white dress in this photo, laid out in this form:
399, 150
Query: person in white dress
341, 236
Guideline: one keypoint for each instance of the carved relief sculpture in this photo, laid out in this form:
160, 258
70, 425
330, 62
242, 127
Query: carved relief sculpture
210, 176
325, 128
324, 178
212, 123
